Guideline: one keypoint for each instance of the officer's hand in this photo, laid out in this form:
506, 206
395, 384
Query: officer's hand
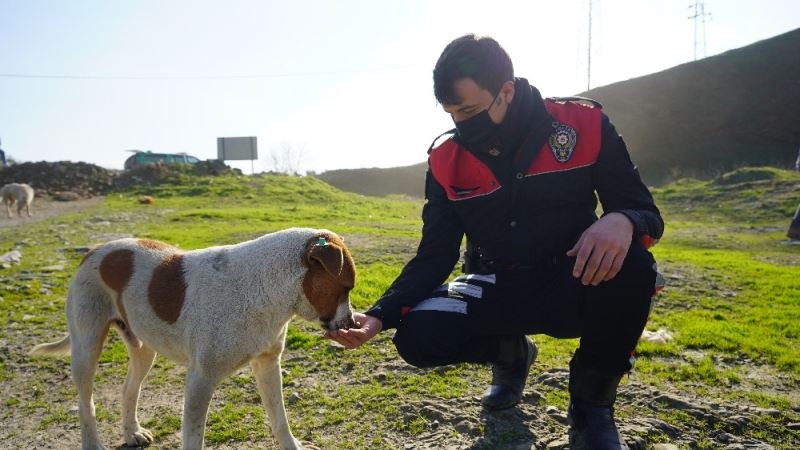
602, 248
368, 327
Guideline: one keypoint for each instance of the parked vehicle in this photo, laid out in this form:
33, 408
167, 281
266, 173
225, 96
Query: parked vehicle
143, 158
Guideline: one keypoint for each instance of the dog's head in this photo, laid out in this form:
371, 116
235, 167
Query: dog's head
330, 277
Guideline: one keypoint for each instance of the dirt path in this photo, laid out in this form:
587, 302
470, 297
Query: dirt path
42, 209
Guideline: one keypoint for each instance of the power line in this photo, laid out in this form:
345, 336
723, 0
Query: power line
199, 77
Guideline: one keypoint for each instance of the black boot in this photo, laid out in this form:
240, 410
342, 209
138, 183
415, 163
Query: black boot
509, 373
591, 409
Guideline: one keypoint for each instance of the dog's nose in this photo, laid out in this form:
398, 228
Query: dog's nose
349, 322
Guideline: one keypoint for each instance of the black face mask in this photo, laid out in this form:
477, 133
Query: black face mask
479, 131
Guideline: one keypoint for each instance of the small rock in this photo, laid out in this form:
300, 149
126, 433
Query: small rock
793, 426
66, 196
768, 411
723, 437
432, 413
665, 447
558, 444
14, 256
463, 427
293, 398
53, 268
532, 396
737, 423
660, 336
674, 402
336, 345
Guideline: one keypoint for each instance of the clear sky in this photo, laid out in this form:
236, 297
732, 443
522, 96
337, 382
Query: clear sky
348, 82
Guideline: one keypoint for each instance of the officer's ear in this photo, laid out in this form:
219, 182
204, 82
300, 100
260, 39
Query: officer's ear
507, 91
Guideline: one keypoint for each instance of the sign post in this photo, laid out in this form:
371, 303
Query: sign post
238, 149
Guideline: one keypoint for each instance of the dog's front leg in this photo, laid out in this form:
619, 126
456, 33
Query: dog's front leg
267, 370
198, 394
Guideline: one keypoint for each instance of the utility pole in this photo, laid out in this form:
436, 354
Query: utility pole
699, 16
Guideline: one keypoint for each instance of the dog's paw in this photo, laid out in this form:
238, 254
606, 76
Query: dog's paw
139, 438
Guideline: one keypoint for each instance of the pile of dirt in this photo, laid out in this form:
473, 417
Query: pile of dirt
155, 174
57, 178
67, 181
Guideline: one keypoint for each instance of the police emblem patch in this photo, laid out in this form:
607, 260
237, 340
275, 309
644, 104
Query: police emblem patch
562, 141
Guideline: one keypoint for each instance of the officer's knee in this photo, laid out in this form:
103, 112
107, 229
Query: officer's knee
638, 269
411, 346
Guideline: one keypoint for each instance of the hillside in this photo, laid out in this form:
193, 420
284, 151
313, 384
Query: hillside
739, 108
698, 119
408, 180
727, 380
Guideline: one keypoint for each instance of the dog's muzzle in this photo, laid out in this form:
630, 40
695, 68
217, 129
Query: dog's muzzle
342, 320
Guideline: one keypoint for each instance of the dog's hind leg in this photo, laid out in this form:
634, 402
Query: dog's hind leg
87, 343
197, 397
139, 364
88, 315
267, 371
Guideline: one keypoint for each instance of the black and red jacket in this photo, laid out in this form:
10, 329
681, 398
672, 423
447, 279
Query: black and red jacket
530, 210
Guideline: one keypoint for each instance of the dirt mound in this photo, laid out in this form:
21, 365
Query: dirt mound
66, 180
156, 174
86, 180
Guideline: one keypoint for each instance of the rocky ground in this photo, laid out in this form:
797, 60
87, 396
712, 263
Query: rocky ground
458, 423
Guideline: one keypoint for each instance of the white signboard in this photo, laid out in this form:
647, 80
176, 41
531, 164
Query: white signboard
237, 148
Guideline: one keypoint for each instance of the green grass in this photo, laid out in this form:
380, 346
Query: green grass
731, 304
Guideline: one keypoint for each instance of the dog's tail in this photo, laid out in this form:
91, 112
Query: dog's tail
53, 348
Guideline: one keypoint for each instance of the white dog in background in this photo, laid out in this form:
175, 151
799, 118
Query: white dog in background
213, 310
21, 194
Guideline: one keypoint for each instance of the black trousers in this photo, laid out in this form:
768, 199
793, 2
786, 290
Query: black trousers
469, 319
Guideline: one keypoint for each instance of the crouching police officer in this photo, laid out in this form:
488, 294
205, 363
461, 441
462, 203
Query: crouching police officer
519, 178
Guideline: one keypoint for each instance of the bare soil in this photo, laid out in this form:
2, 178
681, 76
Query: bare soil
42, 209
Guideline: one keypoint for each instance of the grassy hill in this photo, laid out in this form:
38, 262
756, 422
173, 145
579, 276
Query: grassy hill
700, 119
739, 108
408, 180
729, 376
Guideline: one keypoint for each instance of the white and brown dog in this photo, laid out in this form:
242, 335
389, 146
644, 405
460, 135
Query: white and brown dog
213, 310
21, 194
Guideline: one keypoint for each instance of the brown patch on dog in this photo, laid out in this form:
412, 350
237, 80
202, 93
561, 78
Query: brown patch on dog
153, 245
331, 274
167, 289
116, 269
88, 254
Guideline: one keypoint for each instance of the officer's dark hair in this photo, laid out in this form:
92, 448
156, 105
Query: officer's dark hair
478, 57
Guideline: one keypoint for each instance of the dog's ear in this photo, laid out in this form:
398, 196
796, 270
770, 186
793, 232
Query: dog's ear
329, 256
